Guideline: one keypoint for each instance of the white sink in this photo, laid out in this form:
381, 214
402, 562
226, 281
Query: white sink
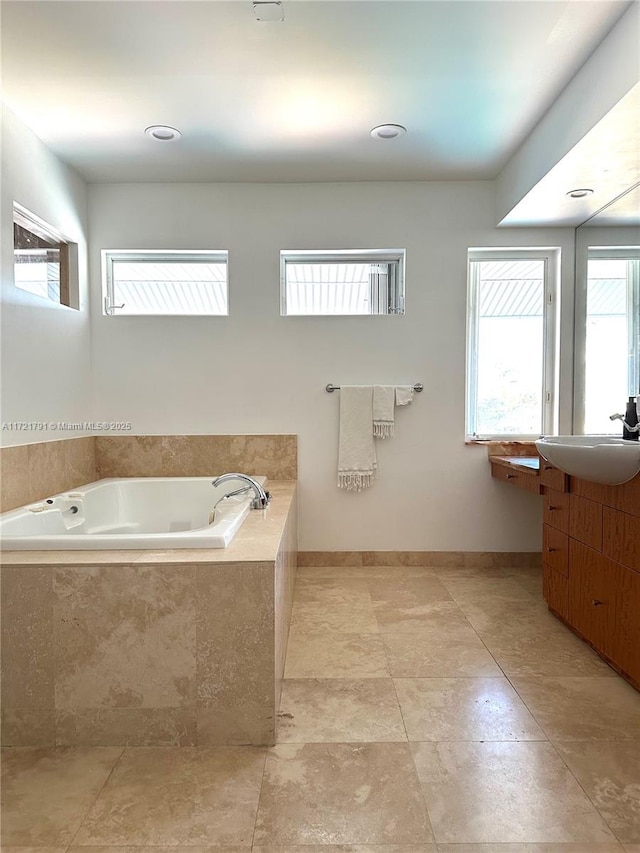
599, 458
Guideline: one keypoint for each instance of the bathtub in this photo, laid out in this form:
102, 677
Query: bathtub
132, 513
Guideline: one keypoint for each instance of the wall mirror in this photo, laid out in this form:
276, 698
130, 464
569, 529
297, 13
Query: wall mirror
607, 314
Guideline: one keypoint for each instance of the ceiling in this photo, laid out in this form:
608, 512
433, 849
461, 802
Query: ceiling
292, 101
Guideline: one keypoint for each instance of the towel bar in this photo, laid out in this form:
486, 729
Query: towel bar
331, 388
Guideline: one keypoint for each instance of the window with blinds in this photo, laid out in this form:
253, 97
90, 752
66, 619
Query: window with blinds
165, 283
342, 282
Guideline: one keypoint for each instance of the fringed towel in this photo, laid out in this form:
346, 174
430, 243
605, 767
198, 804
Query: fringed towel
356, 451
383, 405
385, 398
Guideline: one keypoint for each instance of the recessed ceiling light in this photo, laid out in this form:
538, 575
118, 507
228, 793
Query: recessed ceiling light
268, 11
388, 131
579, 193
163, 133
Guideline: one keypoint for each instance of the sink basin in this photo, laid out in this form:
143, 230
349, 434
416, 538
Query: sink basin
599, 458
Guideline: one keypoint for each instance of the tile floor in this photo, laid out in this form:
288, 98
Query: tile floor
424, 710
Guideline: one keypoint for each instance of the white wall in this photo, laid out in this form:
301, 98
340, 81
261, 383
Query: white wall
258, 372
45, 368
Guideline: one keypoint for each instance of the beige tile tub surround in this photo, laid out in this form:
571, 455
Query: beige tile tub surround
173, 648
275, 456
31, 472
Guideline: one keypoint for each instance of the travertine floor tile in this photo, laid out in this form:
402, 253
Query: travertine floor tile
331, 590
346, 848
610, 774
587, 708
232, 848
344, 617
491, 614
552, 653
330, 655
465, 589
339, 711
407, 592
366, 572
341, 794
504, 792
410, 605
5, 849
185, 796
476, 709
46, 793
530, 579
447, 651
611, 847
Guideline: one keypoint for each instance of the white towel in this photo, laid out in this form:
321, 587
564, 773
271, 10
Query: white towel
404, 395
383, 405
356, 451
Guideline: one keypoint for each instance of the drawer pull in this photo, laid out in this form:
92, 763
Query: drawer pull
511, 476
550, 550
547, 467
596, 602
551, 508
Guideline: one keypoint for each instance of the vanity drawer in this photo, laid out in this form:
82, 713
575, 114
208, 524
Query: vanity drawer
621, 537
555, 589
556, 509
553, 477
526, 479
555, 549
585, 523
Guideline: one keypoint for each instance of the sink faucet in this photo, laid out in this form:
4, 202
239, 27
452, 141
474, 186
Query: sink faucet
630, 420
261, 498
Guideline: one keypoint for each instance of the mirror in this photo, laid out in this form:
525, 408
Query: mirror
607, 320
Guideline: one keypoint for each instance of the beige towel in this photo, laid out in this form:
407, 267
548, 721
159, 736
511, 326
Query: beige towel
356, 451
383, 405
404, 395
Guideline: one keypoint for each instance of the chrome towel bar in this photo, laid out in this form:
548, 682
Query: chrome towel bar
331, 388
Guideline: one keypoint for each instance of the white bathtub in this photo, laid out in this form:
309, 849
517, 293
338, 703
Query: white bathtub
135, 512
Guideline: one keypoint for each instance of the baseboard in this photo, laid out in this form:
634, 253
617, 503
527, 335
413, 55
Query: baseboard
467, 559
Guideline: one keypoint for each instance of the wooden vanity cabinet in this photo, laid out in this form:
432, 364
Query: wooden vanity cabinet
591, 563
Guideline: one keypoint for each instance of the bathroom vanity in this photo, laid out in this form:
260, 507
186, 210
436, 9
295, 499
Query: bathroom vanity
591, 563
590, 556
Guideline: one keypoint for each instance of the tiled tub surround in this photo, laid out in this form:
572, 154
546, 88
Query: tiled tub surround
31, 472
180, 648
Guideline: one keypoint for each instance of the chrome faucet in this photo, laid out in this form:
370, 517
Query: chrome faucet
261, 498
629, 427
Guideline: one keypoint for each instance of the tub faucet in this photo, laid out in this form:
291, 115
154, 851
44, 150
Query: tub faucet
261, 498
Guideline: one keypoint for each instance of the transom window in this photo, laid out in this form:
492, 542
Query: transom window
175, 283
511, 346
347, 282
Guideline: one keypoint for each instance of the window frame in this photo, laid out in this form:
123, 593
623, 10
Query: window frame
156, 256
598, 252
337, 256
68, 262
550, 343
